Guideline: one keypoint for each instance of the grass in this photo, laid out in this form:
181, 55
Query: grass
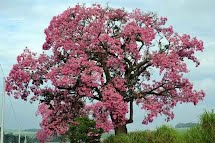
204, 132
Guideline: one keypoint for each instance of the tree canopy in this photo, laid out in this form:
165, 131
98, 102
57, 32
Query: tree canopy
110, 57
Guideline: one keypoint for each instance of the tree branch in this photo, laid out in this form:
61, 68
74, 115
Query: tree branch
142, 44
98, 92
153, 91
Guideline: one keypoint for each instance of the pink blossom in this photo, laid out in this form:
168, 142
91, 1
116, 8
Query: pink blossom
107, 56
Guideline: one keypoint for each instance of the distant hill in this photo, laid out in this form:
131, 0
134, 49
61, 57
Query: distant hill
185, 125
31, 130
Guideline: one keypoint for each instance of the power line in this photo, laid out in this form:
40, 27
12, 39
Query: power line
14, 113
11, 105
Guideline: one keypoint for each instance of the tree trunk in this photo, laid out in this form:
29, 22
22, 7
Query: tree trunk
121, 130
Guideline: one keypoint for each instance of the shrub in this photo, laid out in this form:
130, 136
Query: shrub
133, 137
207, 122
165, 134
122, 138
194, 135
204, 132
84, 132
142, 137
109, 139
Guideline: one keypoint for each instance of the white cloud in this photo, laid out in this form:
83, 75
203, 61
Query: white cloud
206, 84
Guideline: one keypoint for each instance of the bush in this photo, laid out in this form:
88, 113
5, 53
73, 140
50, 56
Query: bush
166, 134
142, 137
122, 138
207, 123
194, 135
204, 132
133, 137
84, 132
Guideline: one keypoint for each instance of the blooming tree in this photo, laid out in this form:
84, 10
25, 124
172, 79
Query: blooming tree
110, 57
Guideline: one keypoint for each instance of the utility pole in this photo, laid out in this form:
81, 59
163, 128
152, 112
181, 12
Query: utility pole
25, 141
2, 111
19, 136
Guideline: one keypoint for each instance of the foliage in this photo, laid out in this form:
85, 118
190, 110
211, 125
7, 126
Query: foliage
143, 137
207, 123
200, 133
106, 55
194, 135
84, 131
165, 134
205, 131
133, 137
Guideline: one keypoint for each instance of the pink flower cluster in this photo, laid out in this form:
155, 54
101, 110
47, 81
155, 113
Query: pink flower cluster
106, 55
112, 106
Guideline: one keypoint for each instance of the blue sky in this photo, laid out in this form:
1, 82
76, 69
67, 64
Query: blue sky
22, 24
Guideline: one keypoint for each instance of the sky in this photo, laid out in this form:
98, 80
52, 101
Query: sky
22, 24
